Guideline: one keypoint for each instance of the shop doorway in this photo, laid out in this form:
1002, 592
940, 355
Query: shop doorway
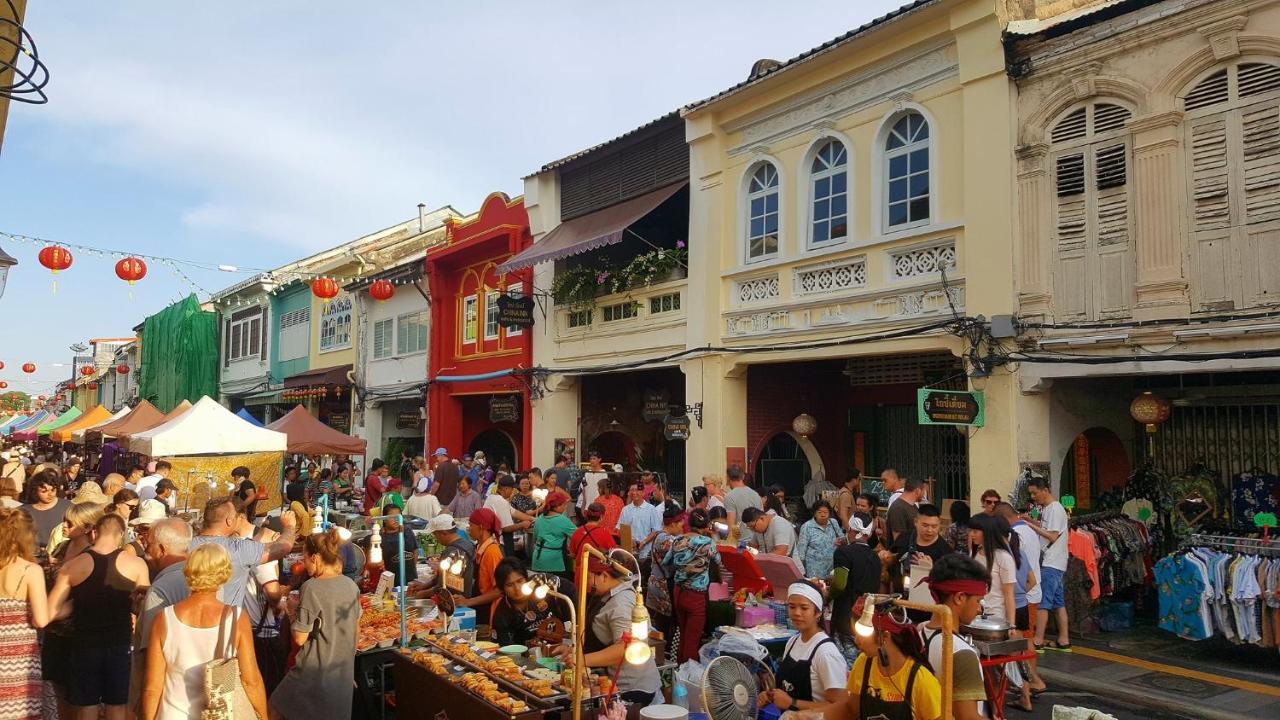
1096, 463
783, 461
615, 446
497, 447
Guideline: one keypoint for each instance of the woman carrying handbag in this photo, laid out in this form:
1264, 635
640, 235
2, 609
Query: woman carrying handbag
200, 660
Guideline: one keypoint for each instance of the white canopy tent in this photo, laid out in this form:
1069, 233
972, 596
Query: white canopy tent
78, 436
207, 428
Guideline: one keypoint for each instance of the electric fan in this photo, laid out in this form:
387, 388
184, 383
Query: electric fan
729, 690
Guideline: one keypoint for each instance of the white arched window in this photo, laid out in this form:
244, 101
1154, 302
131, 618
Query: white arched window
829, 175
906, 155
762, 212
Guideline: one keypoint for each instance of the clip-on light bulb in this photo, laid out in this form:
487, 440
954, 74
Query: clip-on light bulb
526, 589
865, 627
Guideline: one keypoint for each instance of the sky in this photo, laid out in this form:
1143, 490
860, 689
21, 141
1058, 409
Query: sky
256, 133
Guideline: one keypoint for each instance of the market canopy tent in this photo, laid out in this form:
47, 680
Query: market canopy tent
78, 435
207, 428
144, 415
309, 436
126, 437
25, 423
31, 432
63, 420
95, 416
248, 417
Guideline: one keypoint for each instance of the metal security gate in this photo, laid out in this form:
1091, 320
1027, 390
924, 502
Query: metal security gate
920, 451
1227, 436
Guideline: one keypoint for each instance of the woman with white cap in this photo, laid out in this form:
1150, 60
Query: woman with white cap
812, 672
857, 572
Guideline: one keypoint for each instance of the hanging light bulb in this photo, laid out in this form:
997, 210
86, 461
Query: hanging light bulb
638, 650
526, 589
865, 627
540, 592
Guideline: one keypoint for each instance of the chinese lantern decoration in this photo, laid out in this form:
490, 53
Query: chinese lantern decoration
29, 368
93, 386
324, 288
804, 425
87, 370
122, 369
56, 259
3, 384
41, 398
1, 364
382, 290
131, 270
1150, 410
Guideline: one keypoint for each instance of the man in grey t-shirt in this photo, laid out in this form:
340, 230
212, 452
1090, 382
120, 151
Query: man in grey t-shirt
220, 523
770, 533
738, 499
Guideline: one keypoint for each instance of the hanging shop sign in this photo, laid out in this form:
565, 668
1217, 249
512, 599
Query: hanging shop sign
656, 405
408, 419
504, 408
340, 422
515, 311
676, 427
951, 407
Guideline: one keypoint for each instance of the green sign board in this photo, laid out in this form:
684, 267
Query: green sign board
951, 407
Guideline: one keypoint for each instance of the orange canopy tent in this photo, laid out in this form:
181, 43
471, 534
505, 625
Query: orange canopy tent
97, 415
309, 436
126, 435
144, 415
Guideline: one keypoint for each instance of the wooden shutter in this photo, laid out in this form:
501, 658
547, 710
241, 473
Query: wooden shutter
226, 343
262, 345
1211, 247
1259, 174
1070, 227
1113, 283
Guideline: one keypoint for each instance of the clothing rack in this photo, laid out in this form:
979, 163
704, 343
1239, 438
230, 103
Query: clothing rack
1095, 517
1230, 543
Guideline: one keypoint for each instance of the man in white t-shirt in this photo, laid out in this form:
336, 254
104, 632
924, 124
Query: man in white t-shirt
1052, 530
147, 486
960, 583
591, 479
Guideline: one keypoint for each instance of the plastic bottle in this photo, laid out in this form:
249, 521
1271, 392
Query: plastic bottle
680, 695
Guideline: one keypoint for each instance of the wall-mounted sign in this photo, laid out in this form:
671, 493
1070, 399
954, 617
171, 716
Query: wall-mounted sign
656, 405
504, 408
408, 419
515, 311
339, 421
951, 407
676, 427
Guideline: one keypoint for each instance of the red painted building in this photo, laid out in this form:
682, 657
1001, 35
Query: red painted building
467, 415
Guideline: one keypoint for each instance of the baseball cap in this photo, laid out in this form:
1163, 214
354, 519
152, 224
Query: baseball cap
507, 481
440, 452
441, 523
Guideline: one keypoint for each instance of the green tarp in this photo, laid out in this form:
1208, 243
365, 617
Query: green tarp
67, 417
179, 355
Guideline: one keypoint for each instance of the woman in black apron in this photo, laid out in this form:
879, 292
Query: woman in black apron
890, 679
605, 640
812, 673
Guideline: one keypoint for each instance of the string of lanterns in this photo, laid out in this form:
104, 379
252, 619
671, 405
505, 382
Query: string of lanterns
310, 392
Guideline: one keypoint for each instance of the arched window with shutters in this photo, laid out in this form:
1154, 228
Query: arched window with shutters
1092, 227
1233, 157
829, 193
762, 212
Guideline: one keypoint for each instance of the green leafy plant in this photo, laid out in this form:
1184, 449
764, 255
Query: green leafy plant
652, 267
577, 288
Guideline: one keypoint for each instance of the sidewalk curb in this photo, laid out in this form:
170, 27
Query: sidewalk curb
1058, 679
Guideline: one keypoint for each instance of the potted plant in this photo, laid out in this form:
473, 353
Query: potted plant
655, 266
577, 288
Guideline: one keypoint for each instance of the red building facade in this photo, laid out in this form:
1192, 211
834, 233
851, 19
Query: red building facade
471, 401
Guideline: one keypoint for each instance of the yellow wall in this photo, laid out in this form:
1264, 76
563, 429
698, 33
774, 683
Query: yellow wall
347, 355
946, 62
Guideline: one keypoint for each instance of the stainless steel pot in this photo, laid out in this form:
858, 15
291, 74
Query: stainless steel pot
987, 629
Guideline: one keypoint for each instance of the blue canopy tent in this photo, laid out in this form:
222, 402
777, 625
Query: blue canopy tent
248, 417
30, 422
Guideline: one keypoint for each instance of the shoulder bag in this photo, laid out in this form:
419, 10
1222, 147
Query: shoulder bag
224, 696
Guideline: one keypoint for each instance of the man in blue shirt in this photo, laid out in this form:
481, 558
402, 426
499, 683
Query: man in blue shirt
645, 520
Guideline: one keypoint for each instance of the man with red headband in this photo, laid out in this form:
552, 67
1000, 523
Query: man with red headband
485, 529
960, 583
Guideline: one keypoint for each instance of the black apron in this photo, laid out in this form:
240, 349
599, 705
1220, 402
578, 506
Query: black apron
793, 675
870, 706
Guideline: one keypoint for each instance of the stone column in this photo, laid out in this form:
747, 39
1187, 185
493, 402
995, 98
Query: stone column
555, 415
721, 387
1016, 435
1033, 239
1159, 190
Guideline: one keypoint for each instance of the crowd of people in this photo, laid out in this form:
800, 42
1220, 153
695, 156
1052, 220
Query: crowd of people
111, 604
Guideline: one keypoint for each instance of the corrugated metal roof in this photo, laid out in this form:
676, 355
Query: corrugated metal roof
570, 158
815, 52
1078, 17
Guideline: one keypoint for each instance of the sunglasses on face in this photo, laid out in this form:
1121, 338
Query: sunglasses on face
990, 501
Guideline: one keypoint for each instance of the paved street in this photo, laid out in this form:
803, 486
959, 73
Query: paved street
1122, 711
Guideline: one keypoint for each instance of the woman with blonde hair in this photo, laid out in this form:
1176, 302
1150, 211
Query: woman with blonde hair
9, 493
192, 633
715, 491
324, 620
72, 536
24, 608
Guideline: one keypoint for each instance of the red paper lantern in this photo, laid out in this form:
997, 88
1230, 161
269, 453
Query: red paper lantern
1, 364
382, 290
87, 370
3, 384
122, 369
40, 398
29, 368
55, 258
324, 288
131, 270
93, 386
